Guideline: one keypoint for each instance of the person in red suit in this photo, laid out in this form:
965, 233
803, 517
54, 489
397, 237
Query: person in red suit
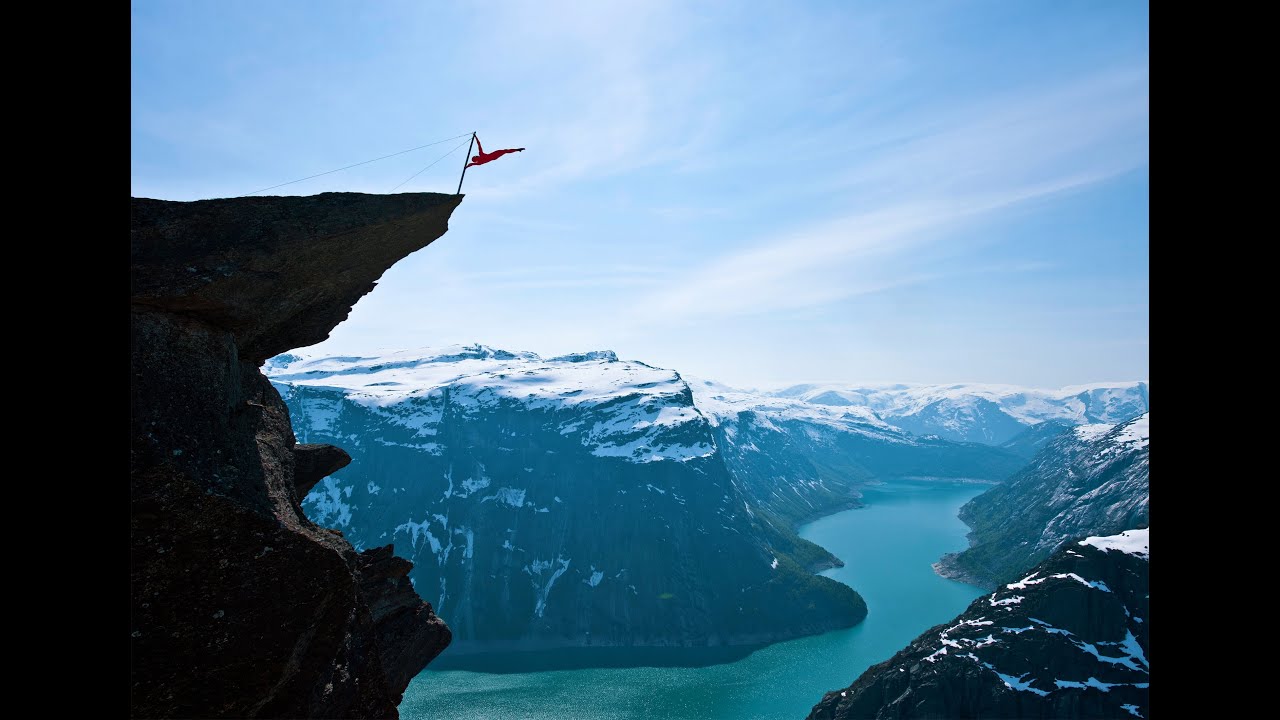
485, 157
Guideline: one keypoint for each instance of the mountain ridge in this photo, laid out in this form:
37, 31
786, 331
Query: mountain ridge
1071, 639
484, 463
1091, 480
981, 412
577, 482
888, 405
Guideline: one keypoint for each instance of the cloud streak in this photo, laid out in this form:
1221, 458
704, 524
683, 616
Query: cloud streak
608, 77
989, 159
706, 185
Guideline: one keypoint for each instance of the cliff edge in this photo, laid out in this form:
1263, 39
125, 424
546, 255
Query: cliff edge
240, 605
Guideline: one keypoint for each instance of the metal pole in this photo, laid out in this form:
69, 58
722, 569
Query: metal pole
465, 161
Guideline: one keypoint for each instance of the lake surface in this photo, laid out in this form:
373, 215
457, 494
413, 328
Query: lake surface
888, 548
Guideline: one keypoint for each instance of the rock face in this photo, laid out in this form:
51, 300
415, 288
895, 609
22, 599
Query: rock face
586, 501
578, 502
240, 605
1031, 441
1069, 640
1093, 480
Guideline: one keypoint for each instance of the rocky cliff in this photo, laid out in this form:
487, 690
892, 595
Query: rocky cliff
240, 605
1068, 640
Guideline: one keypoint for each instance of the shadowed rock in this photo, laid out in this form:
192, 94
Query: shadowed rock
240, 605
1071, 639
277, 272
397, 613
315, 462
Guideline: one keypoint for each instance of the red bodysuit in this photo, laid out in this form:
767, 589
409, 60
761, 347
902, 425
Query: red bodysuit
485, 157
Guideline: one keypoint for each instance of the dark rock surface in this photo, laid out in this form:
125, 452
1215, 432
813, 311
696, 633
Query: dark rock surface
240, 605
314, 462
276, 272
1069, 640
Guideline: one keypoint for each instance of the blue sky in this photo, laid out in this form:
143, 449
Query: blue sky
757, 192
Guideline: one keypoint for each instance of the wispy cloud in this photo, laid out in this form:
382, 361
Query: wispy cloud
563, 277
991, 158
608, 77
755, 166
1095, 125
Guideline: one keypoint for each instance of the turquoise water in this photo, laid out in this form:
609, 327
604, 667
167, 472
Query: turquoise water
888, 547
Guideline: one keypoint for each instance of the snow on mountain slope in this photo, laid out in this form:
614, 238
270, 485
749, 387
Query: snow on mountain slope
1091, 432
720, 403
1137, 434
585, 499
799, 459
791, 456
626, 409
1099, 402
1134, 542
1070, 639
1093, 481
567, 502
977, 412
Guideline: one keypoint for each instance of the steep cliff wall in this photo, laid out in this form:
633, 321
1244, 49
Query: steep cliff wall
240, 605
575, 503
1092, 480
1071, 639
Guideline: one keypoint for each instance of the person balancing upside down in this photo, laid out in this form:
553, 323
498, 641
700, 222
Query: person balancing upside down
485, 157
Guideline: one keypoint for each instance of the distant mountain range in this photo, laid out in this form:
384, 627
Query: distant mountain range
788, 450
973, 412
586, 501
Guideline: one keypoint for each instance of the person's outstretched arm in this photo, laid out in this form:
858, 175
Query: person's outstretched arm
479, 147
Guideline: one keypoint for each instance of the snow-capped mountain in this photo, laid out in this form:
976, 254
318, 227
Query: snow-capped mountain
974, 412
1069, 639
585, 500
1092, 480
626, 410
799, 458
559, 502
